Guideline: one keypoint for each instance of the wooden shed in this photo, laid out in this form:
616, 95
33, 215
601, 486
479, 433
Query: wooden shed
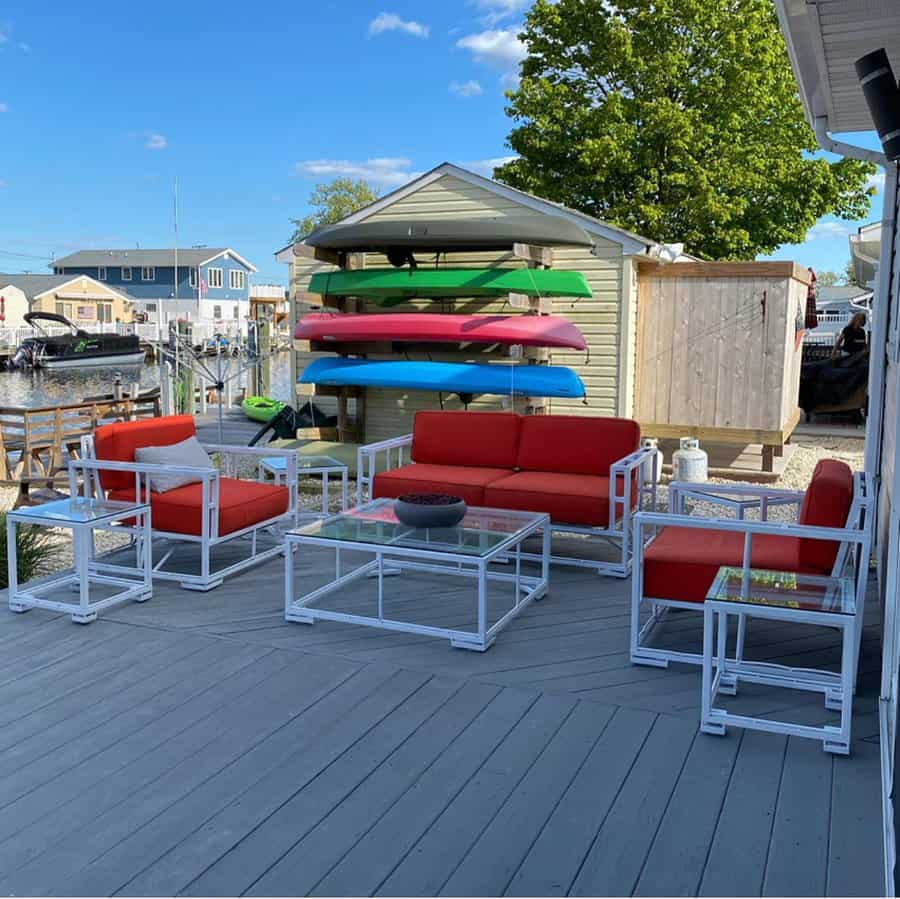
608, 320
719, 352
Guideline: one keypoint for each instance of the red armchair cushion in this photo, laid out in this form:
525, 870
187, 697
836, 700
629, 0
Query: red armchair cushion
467, 482
826, 504
241, 504
118, 441
474, 439
567, 498
681, 563
572, 444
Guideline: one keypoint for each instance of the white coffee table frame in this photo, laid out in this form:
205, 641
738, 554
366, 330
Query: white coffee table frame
721, 675
90, 514
393, 559
277, 467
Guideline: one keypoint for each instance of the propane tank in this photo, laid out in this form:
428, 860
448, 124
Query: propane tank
652, 443
689, 462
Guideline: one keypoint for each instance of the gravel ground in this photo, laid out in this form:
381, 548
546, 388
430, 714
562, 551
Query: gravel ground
796, 476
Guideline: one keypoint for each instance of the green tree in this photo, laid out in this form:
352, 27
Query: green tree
332, 202
829, 279
676, 119
850, 274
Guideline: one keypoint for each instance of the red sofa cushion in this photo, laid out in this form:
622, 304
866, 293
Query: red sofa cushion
241, 504
567, 498
573, 444
826, 504
681, 563
467, 482
474, 439
118, 441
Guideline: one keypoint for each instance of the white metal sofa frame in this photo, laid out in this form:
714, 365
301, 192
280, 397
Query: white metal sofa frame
640, 466
853, 539
89, 467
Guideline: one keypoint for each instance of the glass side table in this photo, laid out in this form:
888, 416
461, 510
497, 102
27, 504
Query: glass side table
309, 465
779, 596
81, 516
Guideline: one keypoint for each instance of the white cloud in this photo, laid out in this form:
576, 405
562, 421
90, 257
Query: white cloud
499, 47
486, 166
155, 141
386, 171
497, 10
4, 107
827, 231
876, 181
388, 21
470, 88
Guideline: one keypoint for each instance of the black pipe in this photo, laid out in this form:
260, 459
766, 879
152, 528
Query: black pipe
879, 87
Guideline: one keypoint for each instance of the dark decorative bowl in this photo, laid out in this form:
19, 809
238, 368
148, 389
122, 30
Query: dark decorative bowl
429, 510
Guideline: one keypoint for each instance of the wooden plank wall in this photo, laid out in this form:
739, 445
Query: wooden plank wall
710, 353
390, 412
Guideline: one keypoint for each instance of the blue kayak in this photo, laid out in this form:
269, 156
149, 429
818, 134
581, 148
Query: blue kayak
446, 377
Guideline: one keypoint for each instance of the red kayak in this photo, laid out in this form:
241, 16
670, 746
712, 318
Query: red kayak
510, 330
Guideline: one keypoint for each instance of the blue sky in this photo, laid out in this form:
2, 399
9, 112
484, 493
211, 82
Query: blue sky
250, 105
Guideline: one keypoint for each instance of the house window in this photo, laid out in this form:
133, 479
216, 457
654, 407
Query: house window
104, 312
85, 313
150, 307
148, 273
192, 277
237, 310
236, 279
101, 273
217, 311
126, 272
64, 309
215, 277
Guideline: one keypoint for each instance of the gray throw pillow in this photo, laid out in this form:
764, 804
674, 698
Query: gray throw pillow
189, 453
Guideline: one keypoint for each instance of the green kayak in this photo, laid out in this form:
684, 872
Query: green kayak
390, 286
261, 408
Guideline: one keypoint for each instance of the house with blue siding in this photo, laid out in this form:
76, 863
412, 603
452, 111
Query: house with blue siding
212, 283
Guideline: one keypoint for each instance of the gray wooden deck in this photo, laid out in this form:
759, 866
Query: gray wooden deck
199, 745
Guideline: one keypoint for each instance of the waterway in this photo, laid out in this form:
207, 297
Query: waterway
39, 387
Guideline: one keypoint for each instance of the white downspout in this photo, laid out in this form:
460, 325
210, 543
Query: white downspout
841, 148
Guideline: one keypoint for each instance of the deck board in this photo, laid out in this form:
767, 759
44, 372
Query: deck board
198, 744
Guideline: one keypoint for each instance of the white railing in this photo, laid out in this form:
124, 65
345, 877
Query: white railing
201, 331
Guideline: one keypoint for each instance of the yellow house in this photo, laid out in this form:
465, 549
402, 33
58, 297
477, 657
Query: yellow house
608, 320
86, 302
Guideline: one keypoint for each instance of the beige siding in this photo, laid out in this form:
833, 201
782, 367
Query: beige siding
83, 294
390, 412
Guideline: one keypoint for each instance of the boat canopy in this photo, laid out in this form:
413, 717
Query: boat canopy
33, 318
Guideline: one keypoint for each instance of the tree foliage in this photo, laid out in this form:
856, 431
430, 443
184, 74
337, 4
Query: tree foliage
332, 202
830, 279
676, 119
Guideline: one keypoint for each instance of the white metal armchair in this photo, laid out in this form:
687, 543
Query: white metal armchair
216, 508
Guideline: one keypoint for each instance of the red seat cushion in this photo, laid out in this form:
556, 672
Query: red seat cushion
241, 504
467, 482
573, 444
567, 498
118, 441
681, 563
826, 504
473, 439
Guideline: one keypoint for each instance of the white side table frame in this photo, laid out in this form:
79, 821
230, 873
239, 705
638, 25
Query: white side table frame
321, 465
82, 516
722, 675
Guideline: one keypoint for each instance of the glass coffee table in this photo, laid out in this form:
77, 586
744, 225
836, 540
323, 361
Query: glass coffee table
779, 596
485, 541
89, 574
